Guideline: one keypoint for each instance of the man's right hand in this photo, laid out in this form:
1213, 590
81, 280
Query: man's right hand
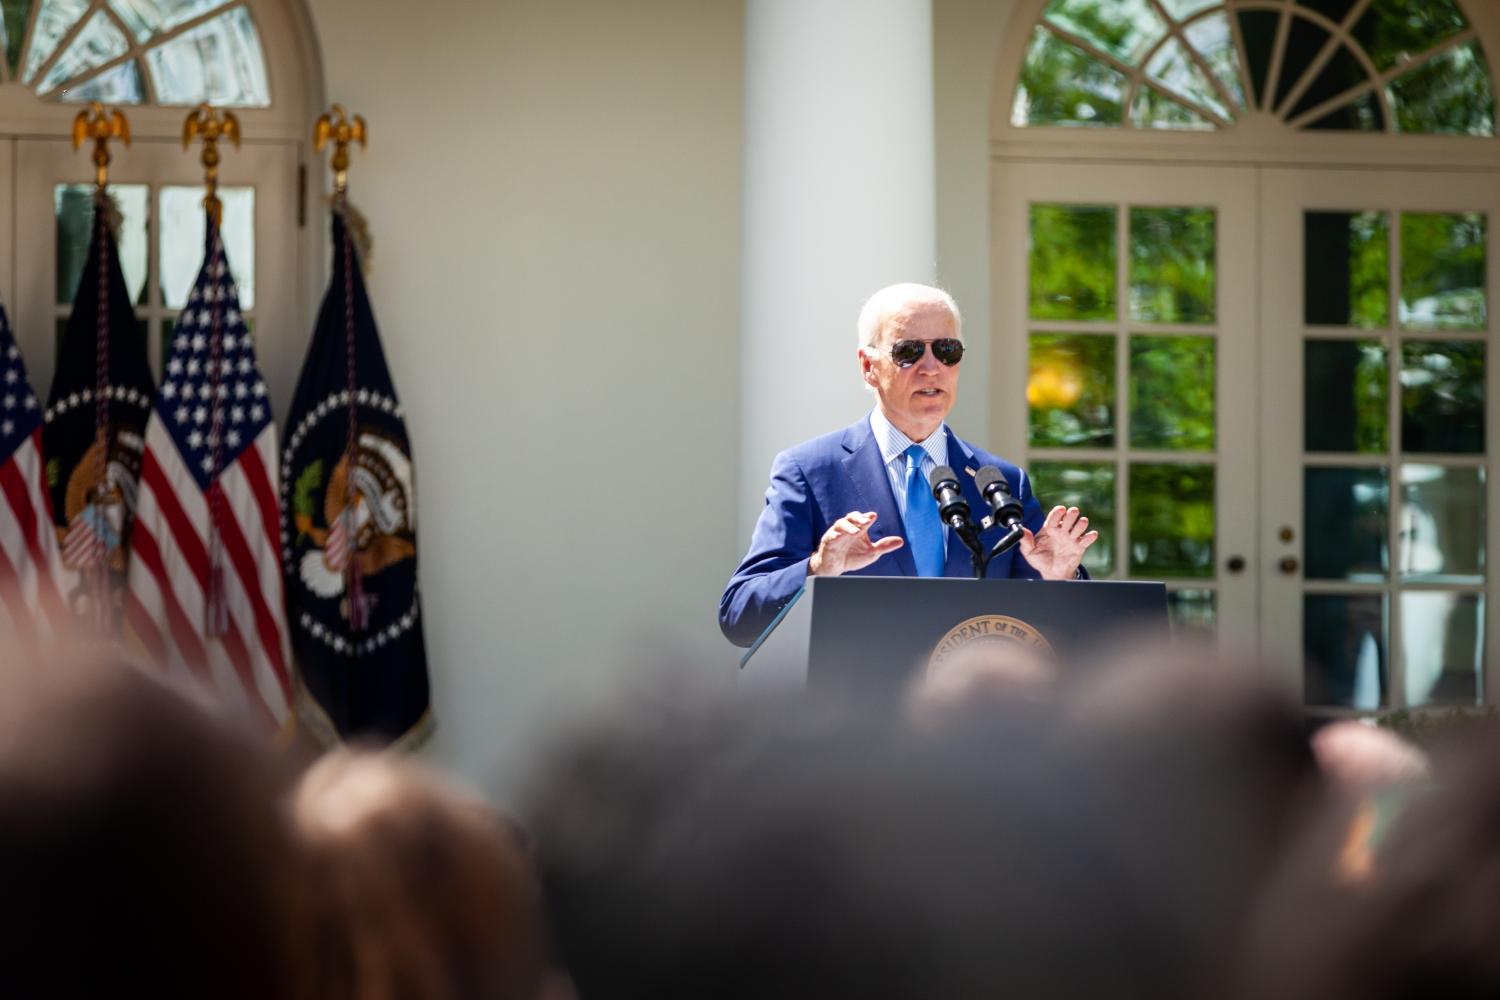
846, 546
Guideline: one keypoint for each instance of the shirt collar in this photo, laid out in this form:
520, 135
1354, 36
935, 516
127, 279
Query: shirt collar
893, 443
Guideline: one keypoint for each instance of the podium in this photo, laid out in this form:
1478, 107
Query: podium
868, 635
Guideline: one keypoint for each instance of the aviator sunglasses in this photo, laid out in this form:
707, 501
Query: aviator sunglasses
948, 350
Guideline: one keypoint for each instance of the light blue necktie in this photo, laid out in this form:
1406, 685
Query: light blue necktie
924, 532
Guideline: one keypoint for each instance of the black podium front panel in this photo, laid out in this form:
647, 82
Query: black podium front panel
868, 635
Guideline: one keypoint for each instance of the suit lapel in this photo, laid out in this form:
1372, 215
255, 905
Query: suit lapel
866, 470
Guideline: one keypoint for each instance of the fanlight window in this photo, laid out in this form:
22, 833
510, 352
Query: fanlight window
136, 51
1412, 66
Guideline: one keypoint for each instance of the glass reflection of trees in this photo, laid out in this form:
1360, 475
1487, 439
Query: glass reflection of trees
1392, 65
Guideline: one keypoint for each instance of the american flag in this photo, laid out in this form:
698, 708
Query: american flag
205, 590
30, 572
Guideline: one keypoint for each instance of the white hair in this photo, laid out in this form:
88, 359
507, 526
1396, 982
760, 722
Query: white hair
895, 299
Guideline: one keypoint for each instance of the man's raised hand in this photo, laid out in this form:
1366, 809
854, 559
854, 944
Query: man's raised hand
1058, 548
846, 546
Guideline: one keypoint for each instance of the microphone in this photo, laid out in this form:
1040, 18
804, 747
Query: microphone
1005, 509
952, 507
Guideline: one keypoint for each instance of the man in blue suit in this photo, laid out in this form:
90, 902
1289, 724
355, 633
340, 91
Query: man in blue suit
858, 500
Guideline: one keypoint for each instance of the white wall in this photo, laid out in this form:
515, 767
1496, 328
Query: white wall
555, 192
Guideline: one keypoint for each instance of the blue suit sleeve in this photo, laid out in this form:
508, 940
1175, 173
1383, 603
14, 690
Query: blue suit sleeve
775, 568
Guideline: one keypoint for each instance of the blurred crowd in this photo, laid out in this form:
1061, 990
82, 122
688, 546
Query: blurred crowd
1158, 824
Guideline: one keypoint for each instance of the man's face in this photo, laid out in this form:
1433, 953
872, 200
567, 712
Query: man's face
915, 399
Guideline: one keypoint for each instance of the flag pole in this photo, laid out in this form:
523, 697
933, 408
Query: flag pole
101, 126
209, 125
339, 127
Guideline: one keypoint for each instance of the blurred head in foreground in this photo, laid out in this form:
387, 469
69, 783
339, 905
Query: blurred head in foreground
978, 677
140, 847
785, 852
1424, 923
420, 891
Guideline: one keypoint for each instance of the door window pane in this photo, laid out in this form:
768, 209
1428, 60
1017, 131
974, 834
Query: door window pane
1061, 85
1345, 396
74, 207
182, 221
1344, 648
1171, 520
98, 43
1121, 28
1346, 269
1071, 390
1392, 33
1089, 486
1172, 265
1176, 71
219, 62
1442, 271
1442, 643
1448, 93
1442, 524
1072, 262
1442, 396
1154, 109
1192, 610
1346, 524
1172, 393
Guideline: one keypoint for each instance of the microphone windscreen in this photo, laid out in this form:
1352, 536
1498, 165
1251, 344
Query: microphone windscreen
942, 474
987, 477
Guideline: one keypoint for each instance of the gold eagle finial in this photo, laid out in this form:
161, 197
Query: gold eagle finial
210, 125
341, 129
101, 126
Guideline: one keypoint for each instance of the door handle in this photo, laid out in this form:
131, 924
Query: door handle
1289, 565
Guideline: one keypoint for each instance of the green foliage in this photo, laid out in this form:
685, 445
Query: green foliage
1080, 367
1172, 254
1062, 85
1089, 486
1369, 271
1172, 521
1122, 28
1172, 393
1450, 93
1392, 31
1443, 271
1072, 262
305, 492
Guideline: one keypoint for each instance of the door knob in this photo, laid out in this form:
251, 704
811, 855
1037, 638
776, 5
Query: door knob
1236, 564
1290, 565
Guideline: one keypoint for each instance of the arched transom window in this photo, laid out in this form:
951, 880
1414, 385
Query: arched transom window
169, 52
1411, 66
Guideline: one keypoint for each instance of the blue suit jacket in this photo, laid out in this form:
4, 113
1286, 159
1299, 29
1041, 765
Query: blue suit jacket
818, 482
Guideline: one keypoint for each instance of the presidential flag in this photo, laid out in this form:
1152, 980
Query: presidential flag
30, 568
348, 521
94, 430
205, 593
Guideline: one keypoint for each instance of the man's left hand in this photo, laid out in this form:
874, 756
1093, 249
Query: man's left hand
1058, 548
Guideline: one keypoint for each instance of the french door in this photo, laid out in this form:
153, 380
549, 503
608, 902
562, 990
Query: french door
1269, 388
1129, 293
1376, 427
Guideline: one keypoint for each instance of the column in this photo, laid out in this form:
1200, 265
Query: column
839, 200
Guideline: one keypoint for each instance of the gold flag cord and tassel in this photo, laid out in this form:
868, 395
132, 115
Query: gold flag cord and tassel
341, 129
101, 126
